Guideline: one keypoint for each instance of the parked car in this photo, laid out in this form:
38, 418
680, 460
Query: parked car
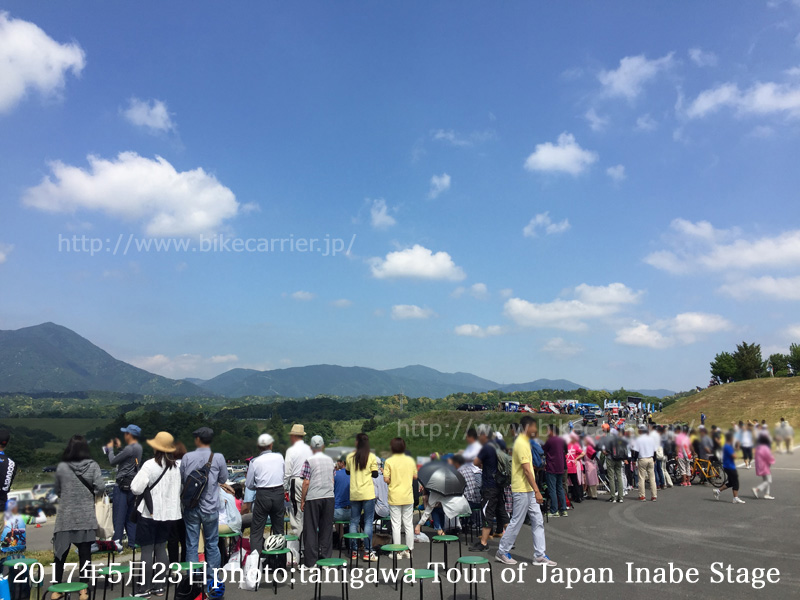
472, 407
591, 418
40, 490
49, 469
20, 495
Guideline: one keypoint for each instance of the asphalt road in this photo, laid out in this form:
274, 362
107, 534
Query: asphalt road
686, 527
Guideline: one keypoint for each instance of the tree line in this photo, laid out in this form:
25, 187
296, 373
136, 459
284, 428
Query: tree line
746, 362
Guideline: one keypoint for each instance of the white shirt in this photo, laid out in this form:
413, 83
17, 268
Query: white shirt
747, 438
166, 495
266, 470
296, 456
645, 446
471, 453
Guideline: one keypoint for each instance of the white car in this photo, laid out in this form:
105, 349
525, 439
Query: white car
21, 495
40, 490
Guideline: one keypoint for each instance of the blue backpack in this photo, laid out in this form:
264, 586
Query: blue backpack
537, 455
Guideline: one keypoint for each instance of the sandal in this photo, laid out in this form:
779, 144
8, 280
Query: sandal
56, 596
84, 595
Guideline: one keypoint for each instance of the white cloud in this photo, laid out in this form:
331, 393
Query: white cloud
302, 296
134, 188
471, 330
701, 247
596, 122
379, 215
564, 156
592, 302
633, 72
617, 172
5, 250
342, 303
543, 222
702, 58
506, 293
760, 99
646, 123
416, 262
793, 332
439, 184
184, 365
32, 60
776, 288
689, 325
401, 312
643, 336
560, 348
150, 114
458, 140
476, 290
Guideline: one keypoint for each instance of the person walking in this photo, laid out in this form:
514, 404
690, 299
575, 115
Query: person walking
296, 456
764, 462
646, 450
127, 462
8, 468
729, 466
616, 451
265, 480
527, 499
575, 456
205, 515
400, 473
590, 478
493, 506
158, 488
555, 452
748, 438
317, 503
362, 466
78, 482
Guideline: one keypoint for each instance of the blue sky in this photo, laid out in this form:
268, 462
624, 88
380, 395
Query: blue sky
607, 194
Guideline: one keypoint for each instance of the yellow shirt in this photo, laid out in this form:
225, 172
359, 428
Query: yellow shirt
521, 455
361, 486
400, 469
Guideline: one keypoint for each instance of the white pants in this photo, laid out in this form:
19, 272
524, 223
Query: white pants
295, 516
403, 514
525, 504
764, 486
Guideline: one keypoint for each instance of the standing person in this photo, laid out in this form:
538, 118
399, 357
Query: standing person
784, 435
78, 481
341, 491
158, 485
616, 451
205, 515
362, 466
683, 448
400, 473
555, 452
729, 466
764, 462
527, 499
646, 449
590, 478
493, 506
176, 542
473, 445
265, 481
8, 468
747, 445
575, 456
702, 418
317, 503
381, 493
296, 456
127, 462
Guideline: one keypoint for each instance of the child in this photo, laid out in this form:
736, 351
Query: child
764, 460
12, 540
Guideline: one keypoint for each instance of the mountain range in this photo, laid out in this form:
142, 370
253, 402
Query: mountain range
49, 357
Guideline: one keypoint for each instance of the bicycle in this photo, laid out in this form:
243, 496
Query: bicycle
708, 470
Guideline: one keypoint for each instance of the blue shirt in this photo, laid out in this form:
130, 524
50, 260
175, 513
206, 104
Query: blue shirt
341, 489
727, 457
209, 500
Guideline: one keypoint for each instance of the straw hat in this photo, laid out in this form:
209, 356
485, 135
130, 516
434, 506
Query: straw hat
163, 442
298, 430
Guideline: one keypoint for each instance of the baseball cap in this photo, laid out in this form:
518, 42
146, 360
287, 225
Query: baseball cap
134, 430
265, 440
642, 427
317, 442
206, 434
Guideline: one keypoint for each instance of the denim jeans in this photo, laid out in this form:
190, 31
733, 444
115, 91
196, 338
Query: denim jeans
437, 515
341, 514
195, 519
555, 487
121, 510
356, 508
660, 473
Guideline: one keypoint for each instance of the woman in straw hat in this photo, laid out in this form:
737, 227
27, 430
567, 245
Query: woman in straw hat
158, 487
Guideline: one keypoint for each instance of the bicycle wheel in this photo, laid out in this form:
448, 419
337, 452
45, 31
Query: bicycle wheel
716, 476
697, 476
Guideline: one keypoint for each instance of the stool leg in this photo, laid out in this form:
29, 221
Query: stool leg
491, 579
379, 569
394, 566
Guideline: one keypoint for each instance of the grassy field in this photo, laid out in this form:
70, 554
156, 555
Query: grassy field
756, 399
441, 431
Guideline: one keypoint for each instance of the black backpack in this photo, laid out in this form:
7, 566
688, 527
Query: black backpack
195, 485
502, 476
619, 448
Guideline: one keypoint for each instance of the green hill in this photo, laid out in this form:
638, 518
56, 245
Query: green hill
754, 399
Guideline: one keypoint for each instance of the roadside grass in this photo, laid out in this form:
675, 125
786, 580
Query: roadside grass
61, 427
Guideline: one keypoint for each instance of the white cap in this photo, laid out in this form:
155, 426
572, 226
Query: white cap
498, 435
317, 442
265, 440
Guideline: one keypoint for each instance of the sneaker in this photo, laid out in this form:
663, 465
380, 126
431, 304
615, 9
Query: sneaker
158, 592
544, 560
642, 499
354, 556
371, 557
504, 558
619, 501
143, 594
716, 494
553, 515
755, 493
403, 555
654, 499
563, 513
611, 500
738, 500
479, 547
768, 497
